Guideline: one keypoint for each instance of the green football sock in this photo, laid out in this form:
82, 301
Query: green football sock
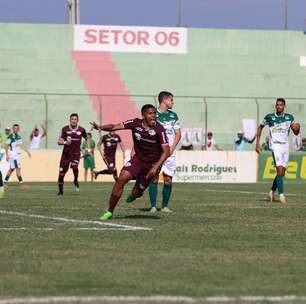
153, 194
7, 178
166, 195
20, 179
274, 186
280, 184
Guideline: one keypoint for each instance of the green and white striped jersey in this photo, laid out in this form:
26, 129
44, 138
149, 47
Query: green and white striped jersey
279, 127
14, 142
169, 120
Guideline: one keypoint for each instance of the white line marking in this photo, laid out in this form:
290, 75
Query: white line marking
51, 229
67, 220
159, 299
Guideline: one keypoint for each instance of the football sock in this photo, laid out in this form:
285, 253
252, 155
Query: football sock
166, 195
274, 185
153, 194
61, 188
20, 179
280, 184
61, 182
6, 178
76, 174
1, 181
113, 201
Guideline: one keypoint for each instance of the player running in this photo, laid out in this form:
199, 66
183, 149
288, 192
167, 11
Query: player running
13, 154
169, 120
71, 139
151, 150
109, 142
279, 124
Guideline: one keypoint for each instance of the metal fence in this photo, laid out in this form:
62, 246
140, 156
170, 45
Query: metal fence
221, 115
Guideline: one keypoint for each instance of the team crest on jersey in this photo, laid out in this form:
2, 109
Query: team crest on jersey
79, 133
108, 144
138, 136
152, 132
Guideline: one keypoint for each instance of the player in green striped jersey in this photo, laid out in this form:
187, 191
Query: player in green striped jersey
169, 120
279, 124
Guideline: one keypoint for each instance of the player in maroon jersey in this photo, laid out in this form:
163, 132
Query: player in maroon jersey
110, 142
71, 139
151, 150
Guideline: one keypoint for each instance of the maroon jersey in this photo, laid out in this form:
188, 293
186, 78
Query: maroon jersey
76, 139
110, 142
147, 141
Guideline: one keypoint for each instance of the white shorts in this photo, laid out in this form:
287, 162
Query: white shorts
15, 163
280, 156
169, 166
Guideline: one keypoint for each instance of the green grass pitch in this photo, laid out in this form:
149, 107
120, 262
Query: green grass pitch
221, 239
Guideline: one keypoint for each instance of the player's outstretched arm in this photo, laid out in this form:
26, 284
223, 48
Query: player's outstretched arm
165, 154
26, 150
258, 136
44, 130
109, 127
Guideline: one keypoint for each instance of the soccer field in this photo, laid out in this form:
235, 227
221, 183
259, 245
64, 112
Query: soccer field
221, 240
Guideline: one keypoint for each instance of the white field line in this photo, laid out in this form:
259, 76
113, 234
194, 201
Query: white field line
67, 220
158, 299
51, 229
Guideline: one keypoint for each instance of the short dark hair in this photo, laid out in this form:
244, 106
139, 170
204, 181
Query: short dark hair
15, 125
74, 114
281, 100
209, 134
89, 134
146, 107
164, 94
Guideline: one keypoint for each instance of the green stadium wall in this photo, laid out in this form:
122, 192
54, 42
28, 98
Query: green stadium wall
225, 63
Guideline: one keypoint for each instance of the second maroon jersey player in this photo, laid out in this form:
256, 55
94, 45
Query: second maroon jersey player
71, 139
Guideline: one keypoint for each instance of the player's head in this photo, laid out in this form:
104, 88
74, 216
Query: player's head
7, 130
209, 135
240, 133
88, 135
36, 131
166, 98
16, 128
280, 105
148, 113
74, 119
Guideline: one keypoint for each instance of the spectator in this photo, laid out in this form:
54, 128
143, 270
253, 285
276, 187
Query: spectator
36, 136
3, 138
297, 142
89, 156
210, 143
240, 141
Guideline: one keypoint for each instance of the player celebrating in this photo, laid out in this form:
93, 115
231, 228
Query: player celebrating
151, 150
169, 120
13, 154
279, 126
110, 142
71, 139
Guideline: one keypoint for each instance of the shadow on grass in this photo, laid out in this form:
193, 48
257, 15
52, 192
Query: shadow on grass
139, 216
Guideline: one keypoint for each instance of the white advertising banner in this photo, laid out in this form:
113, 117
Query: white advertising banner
130, 39
216, 166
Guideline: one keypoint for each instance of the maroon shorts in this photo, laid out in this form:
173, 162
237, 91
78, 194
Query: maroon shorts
66, 160
139, 170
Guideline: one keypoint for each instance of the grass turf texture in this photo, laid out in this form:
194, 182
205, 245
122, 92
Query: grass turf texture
218, 241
